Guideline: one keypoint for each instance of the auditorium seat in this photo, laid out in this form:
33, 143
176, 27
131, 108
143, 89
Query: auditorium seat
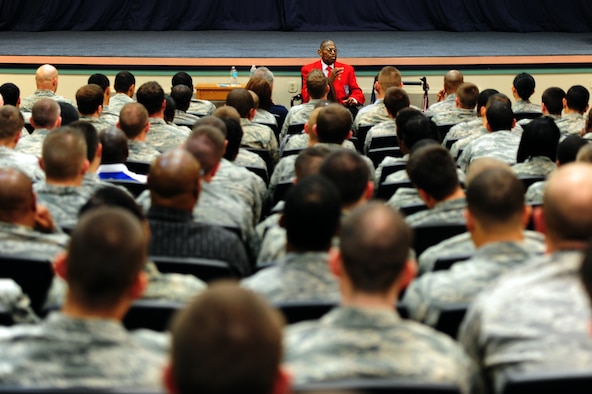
151, 314
296, 128
429, 235
444, 263
410, 209
377, 155
376, 385
260, 171
281, 189
298, 311
450, 318
443, 130
139, 167
291, 152
387, 189
204, 269
384, 141
529, 180
526, 115
264, 154
135, 188
391, 169
549, 382
361, 136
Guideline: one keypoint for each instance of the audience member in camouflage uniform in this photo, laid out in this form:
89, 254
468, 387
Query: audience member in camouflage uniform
537, 318
46, 80
196, 107
89, 99
499, 143
311, 218
238, 349
495, 218
133, 121
318, 89
537, 151
522, 88
433, 173
162, 136
44, 118
375, 113
11, 124
364, 337
575, 105
125, 85
464, 110
447, 96
85, 345
552, 104
182, 96
395, 99
103, 81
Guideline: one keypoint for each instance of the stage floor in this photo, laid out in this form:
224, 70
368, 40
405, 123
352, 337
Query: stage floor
291, 49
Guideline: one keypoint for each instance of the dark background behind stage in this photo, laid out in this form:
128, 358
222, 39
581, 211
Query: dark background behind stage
298, 15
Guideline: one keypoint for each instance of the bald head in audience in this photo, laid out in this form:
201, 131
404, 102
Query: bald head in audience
46, 77
452, 80
206, 144
174, 180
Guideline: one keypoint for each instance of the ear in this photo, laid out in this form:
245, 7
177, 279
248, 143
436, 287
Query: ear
283, 382
60, 266
314, 130
349, 135
469, 219
369, 190
486, 124
100, 109
408, 273
423, 195
225, 146
167, 379
140, 284
306, 131
538, 218
99, 151
482, 112
335, 262
564, 103
32, 122
84, 167
41, 163
320, 52
527, 213
282, 221
457, 102
377, 86
58, 122
513, 123
252, 113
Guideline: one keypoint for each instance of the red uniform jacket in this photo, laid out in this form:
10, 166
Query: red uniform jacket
345, 85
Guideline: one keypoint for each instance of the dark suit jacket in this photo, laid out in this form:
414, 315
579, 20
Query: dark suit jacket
346, 82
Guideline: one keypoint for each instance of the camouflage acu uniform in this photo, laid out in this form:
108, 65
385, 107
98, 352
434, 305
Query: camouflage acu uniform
442, 106
401, 176
571, 123
460, 145
141, 151
355, 342
28, 102
454, 116
462, 130
298, 114
382, 129
296, 277
116, 103
535, 193
534, 166
98, 123
163, 136
28, 164
525, 106
242, 183
388, 161
184, 118
33, 143
301, 141
246, 158
264, 117
450, 212
201, 107
502, 145
427, 295
64, 351
404, 196
273, 245
535, 318
63, 202
371, 115
259, 136
462, 245
14, 302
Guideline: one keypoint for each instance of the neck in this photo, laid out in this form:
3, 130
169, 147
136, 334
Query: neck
567, 110
458, 193
73, 309
67, 182
141, 137
9, 143
374, 301
482, 236
157, 115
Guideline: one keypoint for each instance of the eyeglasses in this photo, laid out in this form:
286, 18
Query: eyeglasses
331, 50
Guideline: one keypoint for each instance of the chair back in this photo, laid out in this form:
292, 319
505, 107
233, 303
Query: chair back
444, 263
391, 169
549, 382
432, 234
526, 115
386, 190
376, 386
139, 167
450, 318
135, 188
377, 155
204, 269
154, 315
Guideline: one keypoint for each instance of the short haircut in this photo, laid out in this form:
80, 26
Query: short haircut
133, 118
311, 214
577, 98
495, 196
375, 242
226, 340
16, 195
182, 95
388, 77
484, 98
395, 99
89, 98
524, 85
499, 116
211, 121
169, 109
226, 111
348, 172
68, 112
539, 138
10, 93
467, 94
113, 197
45, 113
11, 122
432, 169
567, 150
413, 126
63, 152
182, 78
206, 144
151, 96
316, 84
123, 81
91, 137
262, 88
553, 100
242, 100
334, 124
309, 161
108, 245
234, 136
114, 143
101, 80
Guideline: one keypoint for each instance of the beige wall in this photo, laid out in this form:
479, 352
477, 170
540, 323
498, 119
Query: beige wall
69, 83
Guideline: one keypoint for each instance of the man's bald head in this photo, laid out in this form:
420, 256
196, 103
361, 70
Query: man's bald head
206, 144
17, 202
173, 180
452, 81
566, 204
46, 77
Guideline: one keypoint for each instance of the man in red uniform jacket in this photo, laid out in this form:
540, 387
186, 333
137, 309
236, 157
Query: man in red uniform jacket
341, 76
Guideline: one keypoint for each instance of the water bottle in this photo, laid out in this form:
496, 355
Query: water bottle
253, 68
233, 76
